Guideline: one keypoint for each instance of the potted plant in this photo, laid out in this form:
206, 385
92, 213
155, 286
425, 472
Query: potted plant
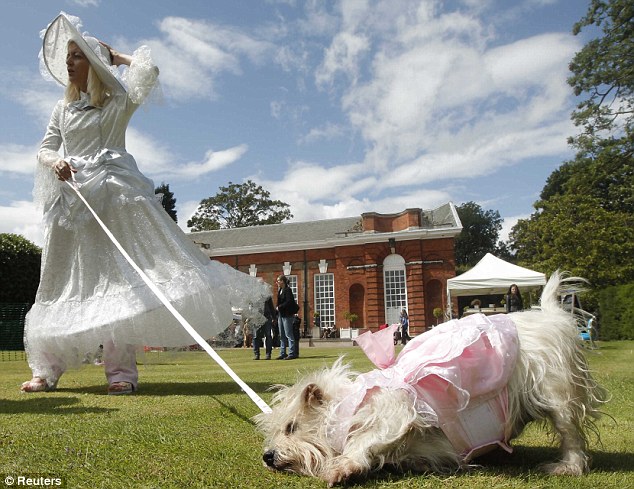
351, 317
438, 313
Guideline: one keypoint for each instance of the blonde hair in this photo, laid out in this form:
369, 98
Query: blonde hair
98, 91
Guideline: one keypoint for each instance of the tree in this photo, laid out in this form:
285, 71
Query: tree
167, 200
604, 71
19, 268
576, 234
237, 206
479, 235
584, 218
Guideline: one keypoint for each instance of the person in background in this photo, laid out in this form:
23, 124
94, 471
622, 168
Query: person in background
513, 299
404, 320
285, 303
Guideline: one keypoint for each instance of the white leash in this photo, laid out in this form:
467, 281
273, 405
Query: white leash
264, 407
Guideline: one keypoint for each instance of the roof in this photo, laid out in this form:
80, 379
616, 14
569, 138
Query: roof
440, 222
492, 275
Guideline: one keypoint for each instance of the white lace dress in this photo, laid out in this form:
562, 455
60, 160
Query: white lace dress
89, 294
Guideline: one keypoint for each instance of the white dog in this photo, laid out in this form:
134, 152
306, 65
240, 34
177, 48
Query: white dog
452, 394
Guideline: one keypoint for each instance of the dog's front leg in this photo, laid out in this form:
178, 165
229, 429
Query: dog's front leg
374, 437
343, 468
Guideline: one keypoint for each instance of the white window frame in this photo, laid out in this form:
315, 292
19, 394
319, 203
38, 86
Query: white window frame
324, 288
292, 283
394, 287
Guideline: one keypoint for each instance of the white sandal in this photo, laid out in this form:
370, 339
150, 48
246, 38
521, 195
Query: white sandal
37, 384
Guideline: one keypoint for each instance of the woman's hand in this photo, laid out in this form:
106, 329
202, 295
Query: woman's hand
63, 170
117, 58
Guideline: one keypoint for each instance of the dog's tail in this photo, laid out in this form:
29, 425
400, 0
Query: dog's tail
558, 284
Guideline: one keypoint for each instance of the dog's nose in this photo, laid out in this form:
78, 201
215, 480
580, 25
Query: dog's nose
269, 458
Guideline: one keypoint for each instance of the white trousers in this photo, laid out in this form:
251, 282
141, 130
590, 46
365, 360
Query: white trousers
119, 363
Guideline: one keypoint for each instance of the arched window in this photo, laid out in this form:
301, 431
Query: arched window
395, 287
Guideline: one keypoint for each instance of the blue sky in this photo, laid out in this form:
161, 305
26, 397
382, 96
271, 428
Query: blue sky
336, 108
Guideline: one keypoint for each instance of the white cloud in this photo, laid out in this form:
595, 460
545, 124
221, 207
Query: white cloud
22, 217
17, 159
86, 3
154, 157
305, 209
440, 99
185, 211
214, 160
437, 81
327, 132
508, 223
157, 160
194, 53
342, 56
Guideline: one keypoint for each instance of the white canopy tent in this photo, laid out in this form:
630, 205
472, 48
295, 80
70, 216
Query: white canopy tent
491, 275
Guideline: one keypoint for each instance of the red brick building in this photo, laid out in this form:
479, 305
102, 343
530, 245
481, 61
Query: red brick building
373, 265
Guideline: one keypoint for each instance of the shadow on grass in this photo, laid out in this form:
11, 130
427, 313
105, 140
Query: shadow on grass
235, 412
50, 405
160, 389
304, 356
612, 462
526, 459
521, 464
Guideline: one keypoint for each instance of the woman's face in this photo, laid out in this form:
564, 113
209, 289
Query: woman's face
513, 290
77, 66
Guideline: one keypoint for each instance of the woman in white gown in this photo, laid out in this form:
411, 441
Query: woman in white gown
89, 296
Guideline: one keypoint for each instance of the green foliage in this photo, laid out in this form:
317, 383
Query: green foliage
574, 233
479, 235
19, 268
167, 201
239, 205
351, 317
608, 177
616, 321
438, 313
604, 71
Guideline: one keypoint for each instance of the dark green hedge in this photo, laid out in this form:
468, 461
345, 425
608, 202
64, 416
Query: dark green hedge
19, 268
616, 321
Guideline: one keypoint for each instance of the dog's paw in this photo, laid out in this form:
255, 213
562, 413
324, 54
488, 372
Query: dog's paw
341, 471
562, 468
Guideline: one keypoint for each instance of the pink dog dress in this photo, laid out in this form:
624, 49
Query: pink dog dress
456, 375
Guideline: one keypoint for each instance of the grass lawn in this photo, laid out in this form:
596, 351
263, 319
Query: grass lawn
189, 426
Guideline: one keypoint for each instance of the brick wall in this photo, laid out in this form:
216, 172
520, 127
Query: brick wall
427, 262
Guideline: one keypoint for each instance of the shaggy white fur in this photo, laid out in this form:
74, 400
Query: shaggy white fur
550, 382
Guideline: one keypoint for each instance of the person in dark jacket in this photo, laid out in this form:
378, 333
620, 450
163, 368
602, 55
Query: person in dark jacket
513, 299
404, 321
285, 316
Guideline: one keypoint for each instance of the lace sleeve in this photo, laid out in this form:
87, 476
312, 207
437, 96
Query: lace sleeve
141, 77
49, 147
46, 184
